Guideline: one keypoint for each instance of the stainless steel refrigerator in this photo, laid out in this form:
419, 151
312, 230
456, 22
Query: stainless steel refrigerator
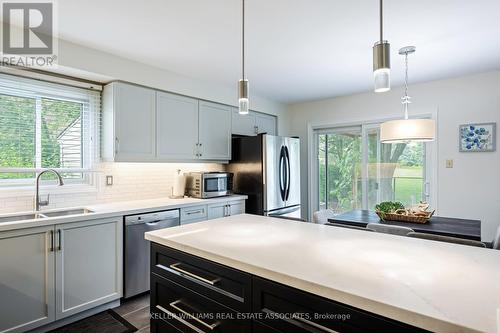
267, 169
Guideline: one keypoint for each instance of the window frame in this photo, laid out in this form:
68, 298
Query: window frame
16, 86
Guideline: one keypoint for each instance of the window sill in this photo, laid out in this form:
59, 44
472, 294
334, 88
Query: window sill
9, 192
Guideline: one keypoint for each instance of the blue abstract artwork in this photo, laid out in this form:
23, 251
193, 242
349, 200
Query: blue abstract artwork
477, 137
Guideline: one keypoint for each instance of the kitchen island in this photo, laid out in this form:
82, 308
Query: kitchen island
319, 278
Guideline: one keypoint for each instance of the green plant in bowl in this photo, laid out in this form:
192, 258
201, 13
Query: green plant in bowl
388, 207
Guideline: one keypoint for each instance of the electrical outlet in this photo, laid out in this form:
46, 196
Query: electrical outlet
449, 164
109, 180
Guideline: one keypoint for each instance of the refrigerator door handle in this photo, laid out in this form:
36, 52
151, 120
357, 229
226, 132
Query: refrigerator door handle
288, 171
281, 174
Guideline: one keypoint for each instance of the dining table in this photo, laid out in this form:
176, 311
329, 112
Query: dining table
438, 225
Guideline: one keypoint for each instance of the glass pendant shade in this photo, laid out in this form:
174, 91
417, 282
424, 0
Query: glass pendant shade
406, 130
382, 66
243, 104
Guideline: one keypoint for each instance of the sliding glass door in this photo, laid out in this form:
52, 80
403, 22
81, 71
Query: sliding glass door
339, 169
355, 171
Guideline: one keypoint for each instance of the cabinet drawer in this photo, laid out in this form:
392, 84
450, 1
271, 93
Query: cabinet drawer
225, 285
258, 327
189, 311
194, 214
291, 310
161, 326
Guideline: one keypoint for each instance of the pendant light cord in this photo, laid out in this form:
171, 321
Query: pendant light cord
243, 40
381, 21
406, 98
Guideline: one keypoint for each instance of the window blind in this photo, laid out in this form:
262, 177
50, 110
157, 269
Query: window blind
47, 125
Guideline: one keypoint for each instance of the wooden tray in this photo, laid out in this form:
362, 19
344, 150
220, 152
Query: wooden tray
405, 218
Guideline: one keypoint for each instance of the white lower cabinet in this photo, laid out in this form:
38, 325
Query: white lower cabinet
49, 273
193, 214
26, 279
223, 209
88, 265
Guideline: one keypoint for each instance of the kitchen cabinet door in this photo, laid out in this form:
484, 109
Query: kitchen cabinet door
134, 121
217, 210
177, 127
26, 279
88, 264
214, 131
265, 123
243, 124
236, 207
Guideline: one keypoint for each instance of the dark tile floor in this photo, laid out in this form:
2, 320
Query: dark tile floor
136, 312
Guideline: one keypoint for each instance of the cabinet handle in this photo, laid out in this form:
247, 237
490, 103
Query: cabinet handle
176, 304
175, 267
179, 319
195, 212
117, 143
229, 208
256, 129
298, 317
51, 249
59, 247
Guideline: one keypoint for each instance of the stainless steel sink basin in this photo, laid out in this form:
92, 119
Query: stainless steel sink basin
42, 214
22, 217
78, 211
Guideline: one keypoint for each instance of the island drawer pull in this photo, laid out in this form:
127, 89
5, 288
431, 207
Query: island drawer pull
175, 305
299, 318
176, 267
179, 319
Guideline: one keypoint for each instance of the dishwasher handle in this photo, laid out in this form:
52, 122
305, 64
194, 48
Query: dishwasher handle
152, 218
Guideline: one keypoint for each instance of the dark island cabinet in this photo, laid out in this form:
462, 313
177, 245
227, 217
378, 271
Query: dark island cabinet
191, 294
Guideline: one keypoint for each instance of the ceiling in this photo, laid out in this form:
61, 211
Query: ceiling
297, 50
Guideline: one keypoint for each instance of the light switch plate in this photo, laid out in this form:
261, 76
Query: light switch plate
449, 164
109, 180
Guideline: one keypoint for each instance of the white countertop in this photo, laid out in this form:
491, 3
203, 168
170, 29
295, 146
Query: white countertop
114, 209
437, 286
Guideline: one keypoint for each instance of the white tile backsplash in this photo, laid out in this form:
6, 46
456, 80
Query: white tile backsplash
132, 181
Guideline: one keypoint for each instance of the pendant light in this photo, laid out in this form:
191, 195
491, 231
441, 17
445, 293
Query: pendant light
243, 105
382, 60
406, 130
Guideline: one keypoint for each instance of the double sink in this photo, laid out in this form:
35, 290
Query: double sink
41, 215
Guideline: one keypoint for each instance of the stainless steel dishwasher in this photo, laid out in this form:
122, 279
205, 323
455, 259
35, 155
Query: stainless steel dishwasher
137, 251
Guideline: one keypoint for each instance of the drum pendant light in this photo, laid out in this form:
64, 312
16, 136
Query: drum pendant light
382, 60
243, 105
406, 130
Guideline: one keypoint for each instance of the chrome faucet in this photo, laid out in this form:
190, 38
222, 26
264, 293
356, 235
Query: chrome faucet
38, 202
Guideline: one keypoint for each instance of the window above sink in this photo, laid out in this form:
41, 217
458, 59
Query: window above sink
47, 125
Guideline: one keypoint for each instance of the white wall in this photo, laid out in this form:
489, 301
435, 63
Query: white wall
472, 188
77, 59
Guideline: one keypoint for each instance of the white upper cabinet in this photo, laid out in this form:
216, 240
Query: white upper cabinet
128, 123
214, 131
253, 123
265, 124
243, 124
145, 125
176, 127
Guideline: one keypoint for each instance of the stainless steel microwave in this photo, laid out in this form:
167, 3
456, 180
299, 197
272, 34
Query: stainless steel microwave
209, 184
